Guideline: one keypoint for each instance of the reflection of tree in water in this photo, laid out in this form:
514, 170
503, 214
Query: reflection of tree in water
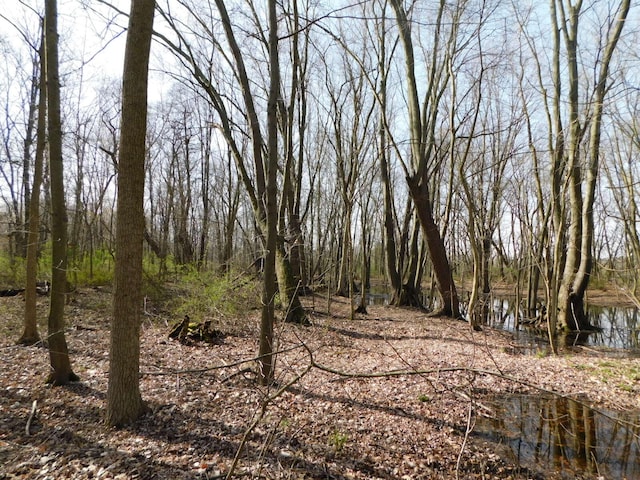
618, 327
565, 436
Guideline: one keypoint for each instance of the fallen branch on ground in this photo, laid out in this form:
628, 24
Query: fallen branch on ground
27, 428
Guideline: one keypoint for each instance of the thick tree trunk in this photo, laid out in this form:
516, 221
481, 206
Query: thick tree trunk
437, 252
297, 256
124, 401
61, 372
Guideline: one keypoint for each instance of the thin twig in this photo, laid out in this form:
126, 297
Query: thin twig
263, 410
468, 430
220, 367
27, 428
235, 374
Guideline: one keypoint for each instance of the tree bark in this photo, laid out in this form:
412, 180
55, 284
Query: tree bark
288, 289
30, 334
267, 358
579, 257
124, 401
437, 253
61, 372
389, 236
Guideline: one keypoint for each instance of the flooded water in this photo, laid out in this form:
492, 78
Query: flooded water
554, 434
619, 326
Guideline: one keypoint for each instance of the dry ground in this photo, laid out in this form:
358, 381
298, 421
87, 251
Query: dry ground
324, 426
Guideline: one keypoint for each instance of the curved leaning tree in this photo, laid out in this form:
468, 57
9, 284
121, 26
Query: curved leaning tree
422, 126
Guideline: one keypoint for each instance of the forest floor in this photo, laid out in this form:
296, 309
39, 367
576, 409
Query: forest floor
206, 410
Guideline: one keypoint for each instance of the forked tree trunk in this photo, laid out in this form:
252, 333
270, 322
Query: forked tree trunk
418, 179
581, 175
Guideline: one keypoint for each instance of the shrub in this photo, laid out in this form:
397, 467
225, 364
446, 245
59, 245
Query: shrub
225, 300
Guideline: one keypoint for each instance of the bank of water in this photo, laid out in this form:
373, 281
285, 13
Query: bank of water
618, 327
547, 434
550, 434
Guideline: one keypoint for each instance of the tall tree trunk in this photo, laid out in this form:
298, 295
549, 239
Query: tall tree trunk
124, 401
37, 85
579, 259
30, 334
61, 372
225, 254
390, 249
267, 358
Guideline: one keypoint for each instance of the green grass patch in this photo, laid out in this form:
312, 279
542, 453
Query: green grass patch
338, 440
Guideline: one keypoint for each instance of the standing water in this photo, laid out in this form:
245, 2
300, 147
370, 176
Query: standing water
551, 434
619, 327
559, 435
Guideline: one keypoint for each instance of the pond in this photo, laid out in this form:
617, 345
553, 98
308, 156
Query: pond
556, 434
619, 326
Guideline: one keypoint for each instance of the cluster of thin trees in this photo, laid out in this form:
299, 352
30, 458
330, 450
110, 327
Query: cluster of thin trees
429, 142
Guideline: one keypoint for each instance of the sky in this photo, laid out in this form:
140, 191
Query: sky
90, 38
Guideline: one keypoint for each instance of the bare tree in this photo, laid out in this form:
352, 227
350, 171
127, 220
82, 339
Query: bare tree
581, 175
20, 89
623, 177
238, 106
422, 124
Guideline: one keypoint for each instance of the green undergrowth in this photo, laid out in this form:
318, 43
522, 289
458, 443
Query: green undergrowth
87, 270
92, 270
12, 272
226, 300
